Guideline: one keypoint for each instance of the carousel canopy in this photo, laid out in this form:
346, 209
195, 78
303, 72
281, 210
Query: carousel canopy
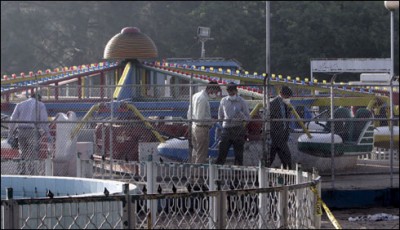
130, 44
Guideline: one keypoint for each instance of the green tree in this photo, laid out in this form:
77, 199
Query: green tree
40, 35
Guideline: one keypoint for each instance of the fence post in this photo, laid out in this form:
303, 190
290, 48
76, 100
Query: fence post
103, 150
332, 120
90, 164
299, 179
78, 165
213, 200
391, 124
11, 214
283, 210
318, 220
221, 210
111, 144
128, 215
48, 166
151, 179
262, 183
299, 174
317, 206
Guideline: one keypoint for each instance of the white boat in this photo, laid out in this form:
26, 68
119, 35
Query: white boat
351, 137
178, 149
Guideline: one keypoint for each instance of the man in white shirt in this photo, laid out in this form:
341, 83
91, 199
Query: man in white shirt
29, 112
201, 115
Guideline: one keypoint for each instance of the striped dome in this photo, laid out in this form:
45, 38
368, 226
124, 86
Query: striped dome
130, 44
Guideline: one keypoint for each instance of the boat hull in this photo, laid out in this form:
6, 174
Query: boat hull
176, 149
320, 145
382, 137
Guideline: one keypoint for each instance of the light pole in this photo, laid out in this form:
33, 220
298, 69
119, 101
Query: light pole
203, 34
266, 113
391, 6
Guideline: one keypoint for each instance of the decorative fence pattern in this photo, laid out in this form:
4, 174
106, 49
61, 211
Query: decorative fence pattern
220, 197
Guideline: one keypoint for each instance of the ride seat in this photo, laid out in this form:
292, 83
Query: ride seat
341, 128
358, 126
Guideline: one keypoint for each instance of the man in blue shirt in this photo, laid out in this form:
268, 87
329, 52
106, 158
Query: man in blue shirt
234, 112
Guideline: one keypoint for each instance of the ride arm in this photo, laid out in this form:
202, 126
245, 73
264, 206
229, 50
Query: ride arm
148, 125
299, 120
85, 118
256, 109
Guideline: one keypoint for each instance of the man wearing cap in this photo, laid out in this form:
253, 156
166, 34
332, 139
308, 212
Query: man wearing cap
200, 129
29, 111
234, 112
280, 130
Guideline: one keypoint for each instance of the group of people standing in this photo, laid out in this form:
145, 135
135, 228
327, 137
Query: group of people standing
233, 116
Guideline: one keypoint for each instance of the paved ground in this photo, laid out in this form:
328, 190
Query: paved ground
342, 216
364, 176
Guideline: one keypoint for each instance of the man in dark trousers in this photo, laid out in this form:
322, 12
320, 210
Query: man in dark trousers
280, 130
234, 112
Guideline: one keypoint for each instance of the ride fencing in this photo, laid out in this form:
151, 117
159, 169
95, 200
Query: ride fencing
143, 120
220, 197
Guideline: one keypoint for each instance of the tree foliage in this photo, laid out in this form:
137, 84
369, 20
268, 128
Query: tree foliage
39, 35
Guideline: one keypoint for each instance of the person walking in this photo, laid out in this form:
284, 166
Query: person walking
234, 112
280, 130
200, 112
28, 132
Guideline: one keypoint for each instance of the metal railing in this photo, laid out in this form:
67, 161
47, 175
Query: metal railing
268, 198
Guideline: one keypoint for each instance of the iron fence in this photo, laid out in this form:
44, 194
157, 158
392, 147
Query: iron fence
262, 198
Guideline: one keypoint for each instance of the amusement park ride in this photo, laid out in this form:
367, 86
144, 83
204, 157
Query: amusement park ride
353, 135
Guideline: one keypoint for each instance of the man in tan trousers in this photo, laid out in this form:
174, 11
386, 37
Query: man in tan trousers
200, 113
